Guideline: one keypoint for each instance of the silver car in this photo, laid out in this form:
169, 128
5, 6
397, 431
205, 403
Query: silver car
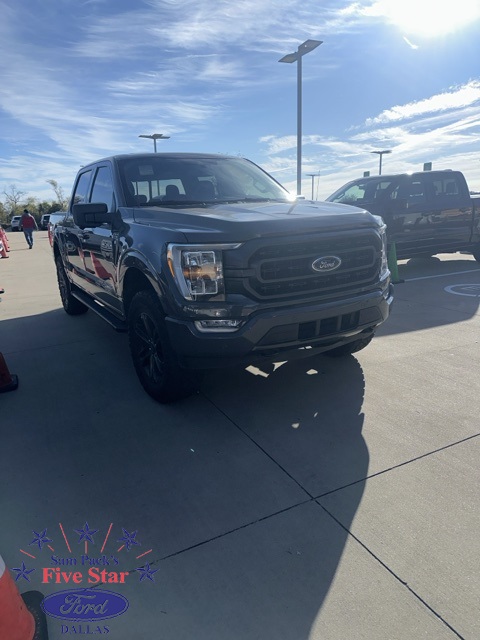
15, 223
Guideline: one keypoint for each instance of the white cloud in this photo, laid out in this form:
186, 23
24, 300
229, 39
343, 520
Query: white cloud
463, 96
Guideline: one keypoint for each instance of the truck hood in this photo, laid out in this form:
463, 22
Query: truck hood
238, 222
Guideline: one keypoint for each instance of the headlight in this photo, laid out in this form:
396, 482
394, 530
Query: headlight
383, 236
198, 269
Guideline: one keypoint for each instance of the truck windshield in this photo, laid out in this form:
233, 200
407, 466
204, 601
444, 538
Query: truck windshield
163, 180
361, 191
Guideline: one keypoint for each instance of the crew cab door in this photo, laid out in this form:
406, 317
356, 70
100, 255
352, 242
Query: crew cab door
99, 244
69, 233
450, 215
434, 213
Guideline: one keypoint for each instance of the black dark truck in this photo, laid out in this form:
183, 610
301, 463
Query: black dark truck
207, 261
426, 213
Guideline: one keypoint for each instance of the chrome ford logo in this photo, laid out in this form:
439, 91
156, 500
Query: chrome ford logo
85, 604
326, 263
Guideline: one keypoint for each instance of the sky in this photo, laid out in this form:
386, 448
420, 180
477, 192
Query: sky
82, 79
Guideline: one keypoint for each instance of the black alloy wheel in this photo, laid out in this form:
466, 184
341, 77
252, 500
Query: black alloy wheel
154, 359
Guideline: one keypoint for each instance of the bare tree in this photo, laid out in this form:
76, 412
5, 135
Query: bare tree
61, 199
13, 197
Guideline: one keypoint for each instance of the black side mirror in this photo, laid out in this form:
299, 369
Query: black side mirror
92, 214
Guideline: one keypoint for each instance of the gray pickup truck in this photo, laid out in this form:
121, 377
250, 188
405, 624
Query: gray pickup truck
426, 213
207, 261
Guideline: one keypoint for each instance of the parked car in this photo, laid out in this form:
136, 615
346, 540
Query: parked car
426, 213
207, 261
15, 223
44, 221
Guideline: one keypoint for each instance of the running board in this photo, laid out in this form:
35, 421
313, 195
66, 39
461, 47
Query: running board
103, 312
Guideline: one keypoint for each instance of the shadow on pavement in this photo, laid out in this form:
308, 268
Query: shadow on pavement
221, 486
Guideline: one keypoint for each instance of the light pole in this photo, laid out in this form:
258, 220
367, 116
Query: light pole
154, 137
313, 175
303, 49
380, 153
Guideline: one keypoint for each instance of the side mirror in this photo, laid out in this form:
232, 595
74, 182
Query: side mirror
90, 215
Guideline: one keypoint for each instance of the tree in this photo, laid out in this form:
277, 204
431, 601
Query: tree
61, 199
13, 197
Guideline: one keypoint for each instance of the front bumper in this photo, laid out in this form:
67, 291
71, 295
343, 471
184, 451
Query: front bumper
286, 332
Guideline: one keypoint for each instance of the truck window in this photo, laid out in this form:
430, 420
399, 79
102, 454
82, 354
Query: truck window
81, 190
414, 192
365, 191
446, 186
103, 187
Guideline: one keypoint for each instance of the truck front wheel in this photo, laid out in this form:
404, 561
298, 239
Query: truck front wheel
71, 305
351, 347
153, 356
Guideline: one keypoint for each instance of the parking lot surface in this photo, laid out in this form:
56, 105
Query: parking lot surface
322, 499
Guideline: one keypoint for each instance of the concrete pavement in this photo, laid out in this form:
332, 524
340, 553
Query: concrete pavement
318, 499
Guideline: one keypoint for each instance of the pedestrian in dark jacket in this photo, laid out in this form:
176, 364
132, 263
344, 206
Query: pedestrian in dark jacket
28, 225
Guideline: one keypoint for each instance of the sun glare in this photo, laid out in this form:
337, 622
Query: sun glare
429, 18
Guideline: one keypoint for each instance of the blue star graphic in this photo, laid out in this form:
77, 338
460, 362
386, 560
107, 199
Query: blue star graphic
86, 533
129, 539
41, 538
23, 572
147, 573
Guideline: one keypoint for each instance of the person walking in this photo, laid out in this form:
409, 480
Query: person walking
28, 225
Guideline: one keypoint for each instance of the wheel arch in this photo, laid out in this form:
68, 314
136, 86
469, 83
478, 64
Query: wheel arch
137, 276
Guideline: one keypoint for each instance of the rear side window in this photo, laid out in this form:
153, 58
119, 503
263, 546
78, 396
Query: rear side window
81, 189
446, 186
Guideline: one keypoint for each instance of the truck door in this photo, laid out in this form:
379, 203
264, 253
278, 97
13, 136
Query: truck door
70, 234
99, 244
450, 215
407, 225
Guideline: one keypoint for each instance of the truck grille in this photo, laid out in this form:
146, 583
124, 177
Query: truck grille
283, 270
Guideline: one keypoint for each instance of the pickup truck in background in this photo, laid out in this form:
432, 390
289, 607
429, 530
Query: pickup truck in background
426, 213
207, 261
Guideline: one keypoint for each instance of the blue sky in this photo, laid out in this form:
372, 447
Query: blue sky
82, 79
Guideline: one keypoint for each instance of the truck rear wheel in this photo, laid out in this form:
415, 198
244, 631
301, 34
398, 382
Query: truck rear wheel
153, 356
71, 305
351, 347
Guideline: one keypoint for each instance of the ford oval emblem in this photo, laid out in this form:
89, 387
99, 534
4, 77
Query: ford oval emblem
84, 605
326, 263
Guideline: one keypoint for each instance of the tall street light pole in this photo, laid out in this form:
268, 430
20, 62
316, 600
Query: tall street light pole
154, 137
313, 175
303, 49
381, 153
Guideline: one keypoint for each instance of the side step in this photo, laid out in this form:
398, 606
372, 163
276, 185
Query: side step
103, 312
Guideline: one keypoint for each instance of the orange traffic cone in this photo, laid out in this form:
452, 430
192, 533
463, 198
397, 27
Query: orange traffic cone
8, 381
21, 617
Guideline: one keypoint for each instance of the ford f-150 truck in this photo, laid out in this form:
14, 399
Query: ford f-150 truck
426, 213
207, 261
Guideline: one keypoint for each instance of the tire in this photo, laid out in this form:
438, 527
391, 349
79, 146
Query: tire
349, 348
476, 252
153, 356
71, 305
